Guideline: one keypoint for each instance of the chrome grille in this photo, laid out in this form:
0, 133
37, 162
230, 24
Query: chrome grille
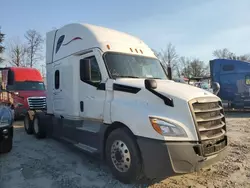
210, 121
37, 103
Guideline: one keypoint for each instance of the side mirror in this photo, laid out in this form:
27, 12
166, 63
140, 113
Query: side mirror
169, 73
216, 87
85, 68
150, 84
8, 88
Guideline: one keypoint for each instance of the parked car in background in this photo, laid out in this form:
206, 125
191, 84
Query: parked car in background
179, 80
203, 85
6, 128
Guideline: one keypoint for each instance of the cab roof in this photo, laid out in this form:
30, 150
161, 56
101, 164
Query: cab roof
26, 74
76, 38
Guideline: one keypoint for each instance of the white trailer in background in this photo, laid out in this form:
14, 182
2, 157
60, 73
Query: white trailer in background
109, 95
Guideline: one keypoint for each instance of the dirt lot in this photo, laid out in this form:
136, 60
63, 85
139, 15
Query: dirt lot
48, 164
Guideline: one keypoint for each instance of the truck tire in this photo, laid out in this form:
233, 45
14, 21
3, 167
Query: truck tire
28, 124
6, 145
39, 128
123, 156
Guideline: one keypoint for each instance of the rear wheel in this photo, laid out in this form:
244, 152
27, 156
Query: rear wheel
28, 124
6, 145
123, 156
39, 128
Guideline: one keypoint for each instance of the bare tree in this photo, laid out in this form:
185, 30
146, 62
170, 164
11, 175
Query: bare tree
34, 46
198, 68
222, 53
226, 54
193, 68
169, 55
43, 70
1, 46
245, 57
16, 53
184, 66
169, 58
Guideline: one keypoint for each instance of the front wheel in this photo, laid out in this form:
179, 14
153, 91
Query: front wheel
123, 156
28, 124
39, 128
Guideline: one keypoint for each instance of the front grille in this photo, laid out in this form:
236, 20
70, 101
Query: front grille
37, 103
210, 122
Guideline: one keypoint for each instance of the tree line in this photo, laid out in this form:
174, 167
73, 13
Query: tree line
22, 54
188, 67
27, 54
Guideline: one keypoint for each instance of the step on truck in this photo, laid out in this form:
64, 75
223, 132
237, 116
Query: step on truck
108, 95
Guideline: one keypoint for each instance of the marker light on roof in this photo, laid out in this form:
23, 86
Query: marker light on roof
141, 51
131, 50
136, 50
108, 46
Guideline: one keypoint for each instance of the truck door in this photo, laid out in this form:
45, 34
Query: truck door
58, 102
91, 93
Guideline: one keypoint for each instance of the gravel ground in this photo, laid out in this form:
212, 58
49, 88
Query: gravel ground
49, 164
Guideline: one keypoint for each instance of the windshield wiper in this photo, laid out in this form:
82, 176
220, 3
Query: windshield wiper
157, 78
127, 77
137, 77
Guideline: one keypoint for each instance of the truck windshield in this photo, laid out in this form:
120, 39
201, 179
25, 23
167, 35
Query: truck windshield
133, 66
29, 86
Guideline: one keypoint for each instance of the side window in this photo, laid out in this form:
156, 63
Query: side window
59, 42
228, 68
10, 77
93, 71
57, 79
247, 80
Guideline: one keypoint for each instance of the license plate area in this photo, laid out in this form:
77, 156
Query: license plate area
213, 147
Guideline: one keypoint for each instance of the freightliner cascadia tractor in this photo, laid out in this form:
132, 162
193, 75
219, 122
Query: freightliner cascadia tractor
108, 95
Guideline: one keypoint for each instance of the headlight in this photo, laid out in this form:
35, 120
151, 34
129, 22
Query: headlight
167, 128
18, 105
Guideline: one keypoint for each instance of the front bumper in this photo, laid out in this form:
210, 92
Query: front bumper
164, 159
6, 133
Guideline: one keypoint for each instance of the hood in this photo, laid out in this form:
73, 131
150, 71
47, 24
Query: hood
169, 88
26, 94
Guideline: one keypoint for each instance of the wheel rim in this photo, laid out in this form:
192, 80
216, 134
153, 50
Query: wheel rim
36, 125
26, 123
120, 156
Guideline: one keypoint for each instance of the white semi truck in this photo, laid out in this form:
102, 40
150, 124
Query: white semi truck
108, 95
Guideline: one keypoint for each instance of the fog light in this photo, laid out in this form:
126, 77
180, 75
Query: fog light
18, 105
5, 131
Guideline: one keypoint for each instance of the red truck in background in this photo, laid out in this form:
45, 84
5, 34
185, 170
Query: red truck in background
23, 88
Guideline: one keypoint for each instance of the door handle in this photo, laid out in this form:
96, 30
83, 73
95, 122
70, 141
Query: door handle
81, 106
